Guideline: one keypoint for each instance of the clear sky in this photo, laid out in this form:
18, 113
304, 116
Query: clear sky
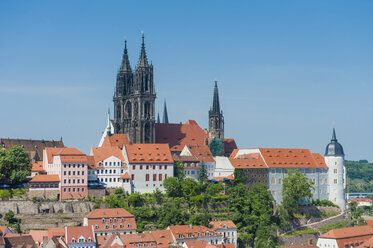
286, 69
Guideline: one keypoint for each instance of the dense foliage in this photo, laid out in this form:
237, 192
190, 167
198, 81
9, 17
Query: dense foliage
359, 176
216, 147
15, 165
295, 190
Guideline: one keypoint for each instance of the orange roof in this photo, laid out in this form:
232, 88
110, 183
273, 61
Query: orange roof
202, 153
3, 229
116, 140
219, 179
45, 178
74, 159
137, 238
196, 244
180, 135
247, 161
65, 151
149, 153
368, 243
291, 158
369, 222
319, 160
194, 230
125, 176
91, 162
163, 238
56, 232
348, 232
102, 153
37, 166
38, 235
109, 213
229, 146
223, 224
78, 231
362, 200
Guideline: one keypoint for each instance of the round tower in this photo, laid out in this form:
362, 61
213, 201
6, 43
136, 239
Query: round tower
334, 159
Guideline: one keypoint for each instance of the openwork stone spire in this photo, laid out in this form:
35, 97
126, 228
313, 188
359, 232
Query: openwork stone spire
143, 61
125, 66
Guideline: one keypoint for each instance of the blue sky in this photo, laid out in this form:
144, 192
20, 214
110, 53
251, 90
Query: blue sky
286, 69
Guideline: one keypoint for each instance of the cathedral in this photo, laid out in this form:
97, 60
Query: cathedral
134, 99
134, 103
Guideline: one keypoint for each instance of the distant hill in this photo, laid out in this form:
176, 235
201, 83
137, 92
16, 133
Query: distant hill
359, 176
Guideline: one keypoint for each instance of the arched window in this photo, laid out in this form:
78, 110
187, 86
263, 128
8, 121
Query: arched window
128, 110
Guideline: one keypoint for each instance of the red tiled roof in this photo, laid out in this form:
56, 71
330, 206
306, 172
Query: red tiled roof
19, 241
102, 153
3, 229
116, 140
361, 200
137, 238
56, 232
290, 158
163, 238
78, 231
45, 178
109, 213
91, 162
180, 135
194, 230
38, 235
220, 179
223, 224
37, 166
149, 153
74, 159
247, 161
125, 176
196, 244
65, 151
202, 153
368, 243
348, 232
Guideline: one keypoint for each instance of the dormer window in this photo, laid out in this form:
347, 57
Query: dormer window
225, 226
115, 219
180, 236
81, 240
103, 220
190, 235
107, 226
96, 226
207, 233
73, 240
89, 239
111, 220
122, 219
128, 225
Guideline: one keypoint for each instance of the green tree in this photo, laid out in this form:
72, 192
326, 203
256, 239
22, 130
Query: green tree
15, 165
201, 219
216, 147
239, 176
213, 189
179, 171
295, 189
9, 216
173, 187
202, 175
171, 214
158, 196
190, 188
135, 199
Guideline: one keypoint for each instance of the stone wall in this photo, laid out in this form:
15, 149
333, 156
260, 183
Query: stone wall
299, 239
44, 193
98, 193
28, 207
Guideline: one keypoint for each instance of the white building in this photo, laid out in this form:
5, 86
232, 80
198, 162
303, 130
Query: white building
185, 233
334, 159
227, 229
223, 167
110, 165
148, 166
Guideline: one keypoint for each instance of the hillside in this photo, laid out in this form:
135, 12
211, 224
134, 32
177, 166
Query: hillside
359, 176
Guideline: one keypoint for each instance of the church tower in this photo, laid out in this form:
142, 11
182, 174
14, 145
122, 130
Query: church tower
216, 119
334, 159
134, 99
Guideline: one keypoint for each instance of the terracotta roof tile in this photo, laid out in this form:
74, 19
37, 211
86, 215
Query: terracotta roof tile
102, 153
56, 232
38, 235
149, 153
65, 151
45, 178
184, 230
348, 232
125, 176
116, 140
247, 161
91, 162
37, 166
78, 231
223, 224
109, 213
163, 238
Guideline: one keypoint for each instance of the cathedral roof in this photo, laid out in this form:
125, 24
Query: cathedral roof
334, 148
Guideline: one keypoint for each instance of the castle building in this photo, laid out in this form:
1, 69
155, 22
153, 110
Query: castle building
334, 158
134, 99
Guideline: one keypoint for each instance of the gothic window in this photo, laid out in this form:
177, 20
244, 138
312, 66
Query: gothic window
136, 110
148, 134
117, 114
147, 112
128, 110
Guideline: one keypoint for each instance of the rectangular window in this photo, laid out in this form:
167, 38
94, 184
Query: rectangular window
78, 173
335, 171
69, 173
155, 177
273, 180
140, 167
64, 190
82, 180
160, 167
153, 167
133, 177
165, 167
147, 167
78, 181
133, 167
82, 173
64, 173
64, 181
335, 181
73, 173
73, 181
82, 189
69, 190
160, 177
78, 189
147, 178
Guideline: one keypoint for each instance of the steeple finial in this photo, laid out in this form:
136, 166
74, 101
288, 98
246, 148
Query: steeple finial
165, 115
216, 103
108, 127
334, 137
125, 66
143, 61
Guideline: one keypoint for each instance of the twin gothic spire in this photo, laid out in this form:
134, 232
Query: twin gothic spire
143, 60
